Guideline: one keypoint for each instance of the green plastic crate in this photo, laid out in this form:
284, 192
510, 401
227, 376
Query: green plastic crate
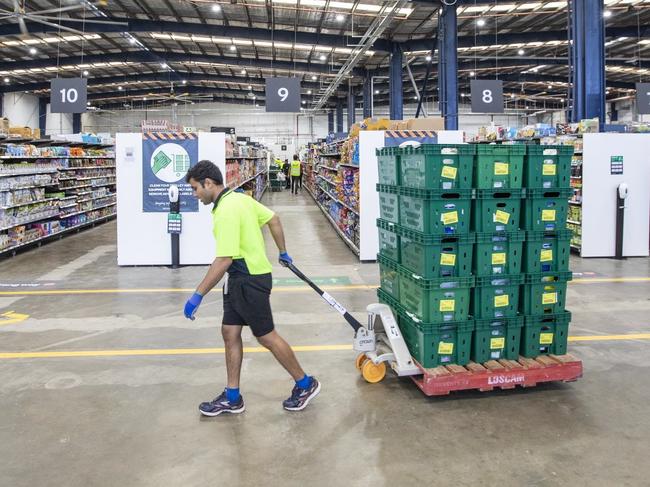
434, 300
437, 212
438, 166
434, 256
388, 159
388, 203
496, 211
389, 276
544, 293
499, 166
432, 344
545, 334
546, 209
389, 240
496, 339
496, 296
548, 166
498, 253
547, 252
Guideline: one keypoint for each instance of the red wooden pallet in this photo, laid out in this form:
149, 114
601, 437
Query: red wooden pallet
502, 374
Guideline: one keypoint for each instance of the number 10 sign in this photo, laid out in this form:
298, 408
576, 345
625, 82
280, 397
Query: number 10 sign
282, 95
68, 95
487, 96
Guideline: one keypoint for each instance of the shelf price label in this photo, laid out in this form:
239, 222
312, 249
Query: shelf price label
487, 96
68, 95
643, 98
282, 95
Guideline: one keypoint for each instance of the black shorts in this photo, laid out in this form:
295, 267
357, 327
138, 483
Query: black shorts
248, 303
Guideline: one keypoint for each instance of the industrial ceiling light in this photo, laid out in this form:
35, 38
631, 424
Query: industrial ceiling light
33, 51
85, 73
314, 77
512, 96
472, 73
164, 65
120, 88
480, 22
309, 92
243, 71
132, 40
376, 92
340, 17
550, 87
521, 52
303, 102
87, 103
7, 80
607, 14
323, 57
428, 58
216, 7
250, 87
232, 47
144, 99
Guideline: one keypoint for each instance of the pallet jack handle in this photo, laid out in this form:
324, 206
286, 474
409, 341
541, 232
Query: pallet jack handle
354, 323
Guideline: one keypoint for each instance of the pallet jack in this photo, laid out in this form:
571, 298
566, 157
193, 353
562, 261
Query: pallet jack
380, 342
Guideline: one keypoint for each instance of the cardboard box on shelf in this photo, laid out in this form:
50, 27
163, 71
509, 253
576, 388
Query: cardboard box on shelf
4, 125
36, 133
24, 132
397, 125
429, 123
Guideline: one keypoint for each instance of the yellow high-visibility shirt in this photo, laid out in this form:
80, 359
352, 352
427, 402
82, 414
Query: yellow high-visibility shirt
295, 168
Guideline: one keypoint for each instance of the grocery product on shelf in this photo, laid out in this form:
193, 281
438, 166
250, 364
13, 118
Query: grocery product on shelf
246, 168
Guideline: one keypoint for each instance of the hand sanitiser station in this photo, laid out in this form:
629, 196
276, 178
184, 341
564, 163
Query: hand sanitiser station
174, 223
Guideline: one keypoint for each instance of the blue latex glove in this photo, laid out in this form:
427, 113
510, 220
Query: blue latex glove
192, 305
285, 259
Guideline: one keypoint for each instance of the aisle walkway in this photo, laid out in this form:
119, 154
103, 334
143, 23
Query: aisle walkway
90, 411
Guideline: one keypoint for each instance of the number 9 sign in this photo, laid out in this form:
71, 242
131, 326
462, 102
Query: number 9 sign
487, 96
282, 95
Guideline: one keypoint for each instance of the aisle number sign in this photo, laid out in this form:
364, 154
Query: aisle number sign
643, 98
282, 95
68, 95
487, 96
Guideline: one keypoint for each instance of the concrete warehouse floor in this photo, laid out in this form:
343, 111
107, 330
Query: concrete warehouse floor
132, 420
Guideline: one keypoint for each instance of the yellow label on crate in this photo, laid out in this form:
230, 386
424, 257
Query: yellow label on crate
548, 215
549, 169
499, 258
449, 217
502, 217
497, 343
545, 338
546, 256
445, 348
549, 298
501, 168
501, 301
449, 172
447, 304
447, 259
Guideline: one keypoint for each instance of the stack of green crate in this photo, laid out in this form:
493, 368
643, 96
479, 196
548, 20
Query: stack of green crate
547, 171
276, 185
426, 247
498, 252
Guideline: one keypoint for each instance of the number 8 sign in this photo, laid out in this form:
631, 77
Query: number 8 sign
487, 96
282, 95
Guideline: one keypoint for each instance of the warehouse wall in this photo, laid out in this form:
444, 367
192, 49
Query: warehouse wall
270, 128
21, 109
58, 123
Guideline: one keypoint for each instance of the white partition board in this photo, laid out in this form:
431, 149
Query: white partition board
599, 194
369, 142
142, 238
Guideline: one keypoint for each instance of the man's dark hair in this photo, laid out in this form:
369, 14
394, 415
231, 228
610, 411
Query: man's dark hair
295, 157
205, 170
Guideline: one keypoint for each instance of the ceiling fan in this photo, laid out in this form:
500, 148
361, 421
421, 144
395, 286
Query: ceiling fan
174, 97
52, 16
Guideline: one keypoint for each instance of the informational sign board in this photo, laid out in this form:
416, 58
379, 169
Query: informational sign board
283, 147
68, 95
225, 130
282, 95
174, 223
244, 139
643, 98
487, 96
166, 158
616, 165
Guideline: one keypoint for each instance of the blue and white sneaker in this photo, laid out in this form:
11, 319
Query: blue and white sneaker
221, 404
301, 397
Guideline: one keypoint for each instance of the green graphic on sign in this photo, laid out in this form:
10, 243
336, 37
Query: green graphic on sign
181, 163
161, 161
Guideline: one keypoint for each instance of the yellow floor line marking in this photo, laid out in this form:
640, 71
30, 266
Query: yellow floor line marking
218, 351
278, 289
11, 318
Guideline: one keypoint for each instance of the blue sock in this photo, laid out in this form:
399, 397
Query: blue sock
305, 382
232, 394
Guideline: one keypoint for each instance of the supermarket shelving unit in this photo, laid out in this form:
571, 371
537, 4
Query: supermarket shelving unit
57, 188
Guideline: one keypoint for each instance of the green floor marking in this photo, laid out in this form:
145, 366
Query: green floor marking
320, 281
